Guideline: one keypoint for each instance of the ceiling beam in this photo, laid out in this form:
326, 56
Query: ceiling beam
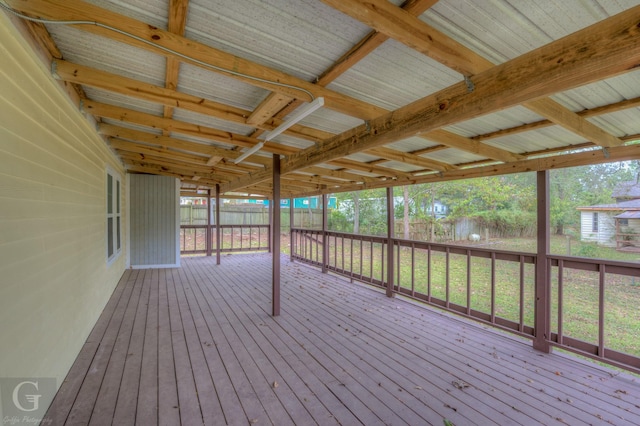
454, 140
176, 25
605, 49
415, 33
409, 158
140, 118
80, 74
233, 66
586, 113
275, 102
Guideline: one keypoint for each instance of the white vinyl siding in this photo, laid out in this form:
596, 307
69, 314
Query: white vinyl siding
55, 280
604, 233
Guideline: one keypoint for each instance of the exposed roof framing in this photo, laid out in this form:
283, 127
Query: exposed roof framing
536, 104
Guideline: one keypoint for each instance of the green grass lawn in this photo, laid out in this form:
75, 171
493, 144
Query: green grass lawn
580, 288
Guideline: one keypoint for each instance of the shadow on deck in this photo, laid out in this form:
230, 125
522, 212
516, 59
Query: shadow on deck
197, 345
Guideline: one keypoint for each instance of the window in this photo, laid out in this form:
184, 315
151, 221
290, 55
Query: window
623, 222
114, 219
594, 224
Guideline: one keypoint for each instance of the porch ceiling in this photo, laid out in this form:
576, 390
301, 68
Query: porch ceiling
418, 91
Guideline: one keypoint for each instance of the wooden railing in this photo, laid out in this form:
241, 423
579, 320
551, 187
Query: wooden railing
493, 286
234, 238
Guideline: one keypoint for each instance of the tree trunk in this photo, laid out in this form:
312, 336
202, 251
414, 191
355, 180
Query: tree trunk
405, 193
356, 212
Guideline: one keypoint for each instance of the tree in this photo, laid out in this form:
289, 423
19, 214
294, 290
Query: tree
405, 193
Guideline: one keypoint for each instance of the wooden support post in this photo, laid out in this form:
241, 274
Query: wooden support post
291, 223
208, 232
275, 231
543, 272
270, 208
325, 240
390, 229
218, 230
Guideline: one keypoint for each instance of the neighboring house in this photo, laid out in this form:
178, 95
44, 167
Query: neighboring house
439, 210
617, 224
626, 191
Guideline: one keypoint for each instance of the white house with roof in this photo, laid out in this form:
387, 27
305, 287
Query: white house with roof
616, 224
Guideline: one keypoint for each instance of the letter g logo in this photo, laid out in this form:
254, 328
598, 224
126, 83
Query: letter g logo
34, 399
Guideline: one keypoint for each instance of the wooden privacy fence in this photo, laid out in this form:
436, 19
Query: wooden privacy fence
249, 214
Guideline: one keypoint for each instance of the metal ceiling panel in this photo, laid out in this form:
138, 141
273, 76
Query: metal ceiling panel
300, 37
217, 87
123, 101
208, 121
394, 75
109, 55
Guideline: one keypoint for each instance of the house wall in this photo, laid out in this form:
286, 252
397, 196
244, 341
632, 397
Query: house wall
54, 276
155, 221
606, 228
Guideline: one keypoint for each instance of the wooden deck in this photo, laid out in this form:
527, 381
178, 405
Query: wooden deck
197, 345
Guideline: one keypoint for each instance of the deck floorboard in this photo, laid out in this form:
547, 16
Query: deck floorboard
197, 345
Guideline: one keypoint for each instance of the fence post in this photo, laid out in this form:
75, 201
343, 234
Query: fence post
543, 271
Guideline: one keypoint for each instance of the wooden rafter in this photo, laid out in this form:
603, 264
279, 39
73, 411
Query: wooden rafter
176, 25
275, 102
135, 117
415, 33
603, 50
239, 68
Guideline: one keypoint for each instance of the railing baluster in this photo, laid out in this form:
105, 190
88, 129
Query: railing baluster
397, 265
351, 258
521, 322
560, 299
493, 287
468, 282
602, 268
413, 270
446, 280
429, 273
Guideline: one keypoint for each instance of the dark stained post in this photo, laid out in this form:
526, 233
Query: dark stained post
270, 208
325, 240
208, 232
390, 229
218, 230
276, 236
291, 223
543, 273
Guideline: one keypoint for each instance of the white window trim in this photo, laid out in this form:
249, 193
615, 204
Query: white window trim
117, 213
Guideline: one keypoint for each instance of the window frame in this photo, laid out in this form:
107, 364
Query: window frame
113, 210
595, 225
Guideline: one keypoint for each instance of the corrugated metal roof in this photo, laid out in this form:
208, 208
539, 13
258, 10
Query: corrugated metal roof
300, 37
304, 38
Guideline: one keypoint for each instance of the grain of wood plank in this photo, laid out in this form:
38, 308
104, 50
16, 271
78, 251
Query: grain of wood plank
83, 407
263, 354
104, 408
205, 390
187, 395
168, 408
147, 398
207, 351
63, 401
